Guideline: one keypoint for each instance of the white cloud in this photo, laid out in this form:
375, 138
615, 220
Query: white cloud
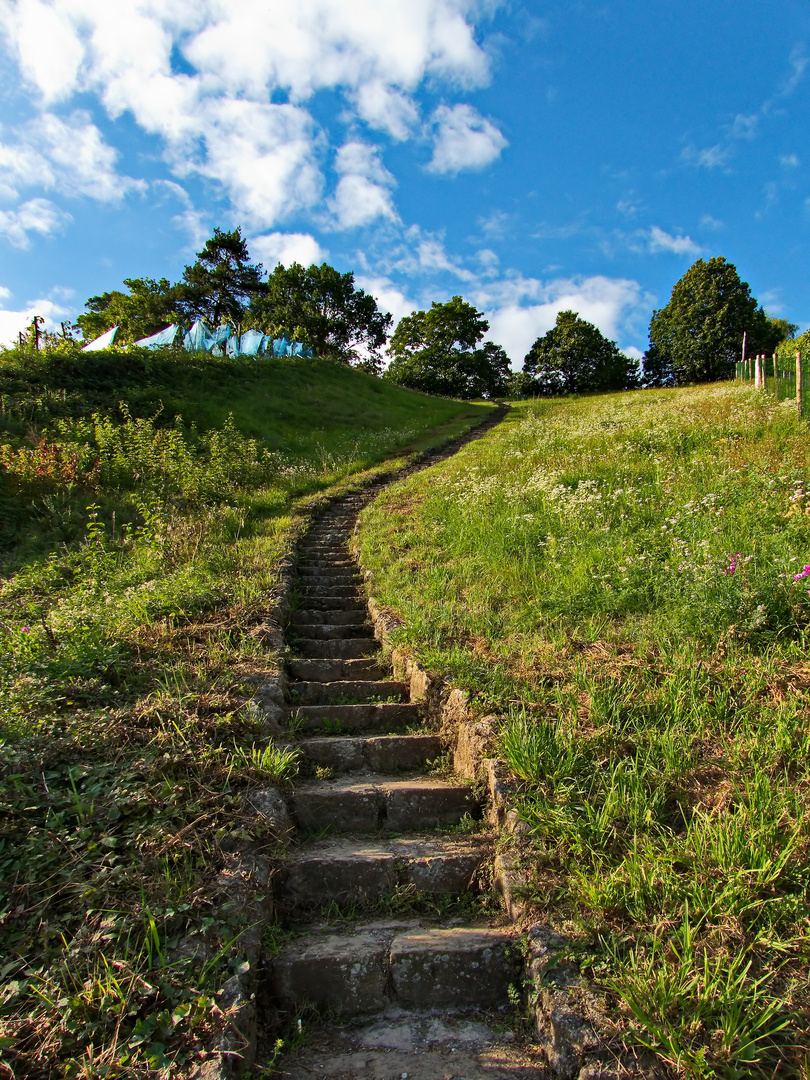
709, 222
13, 322
69, 156
286, 248
464, 140
221, 117
790, 161
35, 216
387, 109
261, 155
389, 296
677, 245
363, 192
615, 305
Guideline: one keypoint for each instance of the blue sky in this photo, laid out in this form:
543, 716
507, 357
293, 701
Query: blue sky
530, 156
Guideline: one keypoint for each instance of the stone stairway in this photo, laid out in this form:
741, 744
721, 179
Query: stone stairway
376, 833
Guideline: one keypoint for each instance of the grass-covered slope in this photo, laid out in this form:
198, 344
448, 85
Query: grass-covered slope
316, 420
138, 552
623, 579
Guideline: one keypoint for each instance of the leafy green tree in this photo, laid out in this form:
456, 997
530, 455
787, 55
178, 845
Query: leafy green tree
221, 283
435, 351
149, 306
698, 336
324, 308
785, 329
574, 357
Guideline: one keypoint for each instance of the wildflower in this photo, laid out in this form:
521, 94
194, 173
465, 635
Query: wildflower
804, 573
26, 629
732, 565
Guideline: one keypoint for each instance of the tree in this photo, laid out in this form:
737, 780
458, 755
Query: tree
575, 357
698, 336
221, 283
149, 306
435, 351
325, 309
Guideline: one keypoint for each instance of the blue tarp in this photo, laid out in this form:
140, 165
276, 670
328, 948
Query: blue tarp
163, 337
103, 342
220, 342
251, 342
198, 338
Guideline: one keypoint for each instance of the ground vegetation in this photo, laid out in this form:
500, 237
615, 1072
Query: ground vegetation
625, 580
145, 503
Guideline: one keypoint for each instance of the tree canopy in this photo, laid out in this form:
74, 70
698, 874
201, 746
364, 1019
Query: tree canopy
575, 357
435, 351
149, 306
698, 336
220, 284
325, 308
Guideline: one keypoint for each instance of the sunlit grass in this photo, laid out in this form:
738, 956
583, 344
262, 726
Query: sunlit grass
622, 578
141, 555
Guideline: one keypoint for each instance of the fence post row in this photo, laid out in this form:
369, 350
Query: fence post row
799, 383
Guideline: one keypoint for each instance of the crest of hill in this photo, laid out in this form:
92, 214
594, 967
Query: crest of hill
290, 404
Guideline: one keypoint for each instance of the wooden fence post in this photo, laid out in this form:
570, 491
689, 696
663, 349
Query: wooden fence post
758, 373
799, 383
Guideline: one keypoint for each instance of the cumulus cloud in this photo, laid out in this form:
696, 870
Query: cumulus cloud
389, 296
677, 245
463, 140
233, 109
35, 216
615, 305
13, 322
364, 190
386, 109
65, 155
286, 248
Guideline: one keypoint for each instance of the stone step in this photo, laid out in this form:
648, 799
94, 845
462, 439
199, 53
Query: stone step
331, 602
321, 548
383, 717
337, 649
335, 616
381, 753
332, 631
330, 591
373, 966
386, 804
331, 670
330, 576
346, 692
351, 871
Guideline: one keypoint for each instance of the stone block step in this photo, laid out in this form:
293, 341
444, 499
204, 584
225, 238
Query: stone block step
330, 670
337, 649
330, 576
335, 616
371, 967
382, 717
330, 591
331, 602
387, 804
332, 631
381, 753
346, 692
351, 871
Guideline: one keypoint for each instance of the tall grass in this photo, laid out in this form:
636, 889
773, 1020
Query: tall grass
624, 579
140, 548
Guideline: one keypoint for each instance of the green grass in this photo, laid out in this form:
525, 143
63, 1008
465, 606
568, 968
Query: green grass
138, 554
621, 579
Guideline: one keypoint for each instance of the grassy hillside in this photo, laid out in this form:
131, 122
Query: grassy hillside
138, 552
623, 579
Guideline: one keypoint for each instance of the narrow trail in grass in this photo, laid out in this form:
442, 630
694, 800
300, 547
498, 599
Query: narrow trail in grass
392, 932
